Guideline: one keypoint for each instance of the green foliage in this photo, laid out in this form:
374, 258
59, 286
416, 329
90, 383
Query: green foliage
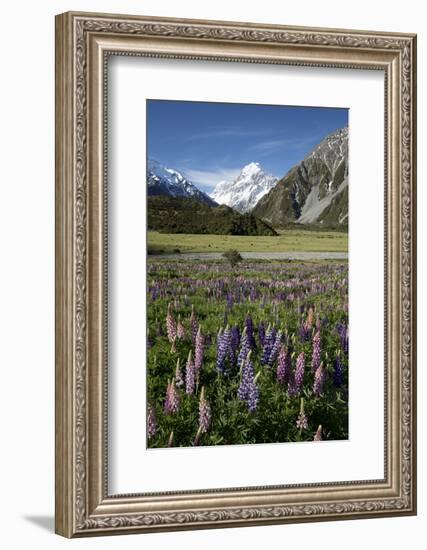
204, 288
233, 257
186, 215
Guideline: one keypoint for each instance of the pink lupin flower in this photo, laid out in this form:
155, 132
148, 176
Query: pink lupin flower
170, 324
315, 362
296, 379
179, 380
198, 437
302, 421
172, 398
190, 375
180, 330
205, 415
319, 380
310, 315
151, 421
318, 434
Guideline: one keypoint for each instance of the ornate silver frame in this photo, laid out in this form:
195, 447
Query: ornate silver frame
83, 42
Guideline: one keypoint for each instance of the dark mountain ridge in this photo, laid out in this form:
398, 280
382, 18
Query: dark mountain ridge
187, 215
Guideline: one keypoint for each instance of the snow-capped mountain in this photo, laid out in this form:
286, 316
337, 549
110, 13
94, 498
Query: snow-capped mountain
314, 191
168, 181
244, 192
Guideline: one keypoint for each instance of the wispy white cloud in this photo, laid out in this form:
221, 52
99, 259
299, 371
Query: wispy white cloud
290, 144
231, 131
207, 179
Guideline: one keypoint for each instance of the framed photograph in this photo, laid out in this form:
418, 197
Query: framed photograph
235, 274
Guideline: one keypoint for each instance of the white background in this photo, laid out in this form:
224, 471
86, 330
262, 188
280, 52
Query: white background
133, 468
27, 246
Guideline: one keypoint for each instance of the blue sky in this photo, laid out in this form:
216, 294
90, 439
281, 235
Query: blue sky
211, 142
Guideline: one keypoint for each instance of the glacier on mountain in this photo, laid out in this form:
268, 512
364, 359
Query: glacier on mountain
244, 192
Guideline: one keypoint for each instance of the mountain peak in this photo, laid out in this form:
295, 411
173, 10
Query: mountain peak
245, 191
314, 191
251, 168
162, 180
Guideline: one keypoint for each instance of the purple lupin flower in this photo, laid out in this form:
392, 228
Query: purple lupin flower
219, 352
315, 362
338, 376
248, 390
284, 366
319, 380
302, 421
200, 350
223, 348
244, 349
205, 415
235, 339
170, 324
318, 434
275, 348
268, 345
345, 341
180, 330
179, 380
250, 331
190, 375
171, 405
247, 376
342, 331
151, 421
194, 325
253, 395
296, 379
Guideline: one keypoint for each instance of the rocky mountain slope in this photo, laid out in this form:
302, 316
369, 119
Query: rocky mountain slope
168, 181
313, 192
244, 192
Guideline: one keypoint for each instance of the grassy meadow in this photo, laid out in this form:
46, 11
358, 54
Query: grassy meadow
289, 240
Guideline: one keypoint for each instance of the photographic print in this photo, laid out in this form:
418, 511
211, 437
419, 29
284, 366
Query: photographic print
247, 283
202, 274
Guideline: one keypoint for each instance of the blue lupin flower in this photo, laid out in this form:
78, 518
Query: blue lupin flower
223, 348
270, 336
275, 348
244, 349
246, 379
253, 396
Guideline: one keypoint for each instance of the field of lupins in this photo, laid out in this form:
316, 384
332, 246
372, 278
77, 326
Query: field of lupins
254, 354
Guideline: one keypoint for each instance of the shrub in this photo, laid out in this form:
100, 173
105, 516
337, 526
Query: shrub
233, 257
